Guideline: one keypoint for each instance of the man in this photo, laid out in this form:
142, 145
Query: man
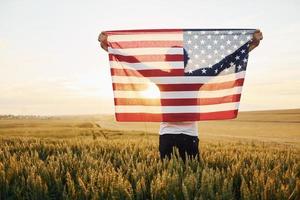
181, 135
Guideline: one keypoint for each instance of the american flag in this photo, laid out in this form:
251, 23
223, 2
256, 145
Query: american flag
174, 75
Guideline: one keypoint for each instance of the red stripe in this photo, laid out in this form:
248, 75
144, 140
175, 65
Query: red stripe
175, 117
146, 72
180, 87
178, 102
145, 44
143, 31
145, 58
200, 87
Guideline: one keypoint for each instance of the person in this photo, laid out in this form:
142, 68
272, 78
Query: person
182, 136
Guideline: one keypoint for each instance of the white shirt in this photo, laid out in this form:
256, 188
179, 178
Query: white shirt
188, 128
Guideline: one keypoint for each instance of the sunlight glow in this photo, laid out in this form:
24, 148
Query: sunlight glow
151, 92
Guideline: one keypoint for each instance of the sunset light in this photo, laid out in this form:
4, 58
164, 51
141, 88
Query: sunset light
151, 92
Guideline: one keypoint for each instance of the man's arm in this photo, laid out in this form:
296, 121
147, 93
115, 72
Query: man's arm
257, 37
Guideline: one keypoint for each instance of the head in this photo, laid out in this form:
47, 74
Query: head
186, 57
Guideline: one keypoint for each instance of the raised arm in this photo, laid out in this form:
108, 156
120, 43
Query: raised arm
257, 37
103, 40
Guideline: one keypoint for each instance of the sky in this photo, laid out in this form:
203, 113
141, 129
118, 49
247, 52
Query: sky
52, 64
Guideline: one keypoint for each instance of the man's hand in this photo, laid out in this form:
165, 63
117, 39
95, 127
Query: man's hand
103, 40
257, 37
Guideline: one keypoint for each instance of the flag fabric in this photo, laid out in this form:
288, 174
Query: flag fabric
175, 75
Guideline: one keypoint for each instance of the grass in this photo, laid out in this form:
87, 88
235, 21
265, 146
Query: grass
93, 157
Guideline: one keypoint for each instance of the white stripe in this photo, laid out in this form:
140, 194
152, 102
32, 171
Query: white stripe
147, 65
178, 79
179, 94
146, 51
146, 37
177, 109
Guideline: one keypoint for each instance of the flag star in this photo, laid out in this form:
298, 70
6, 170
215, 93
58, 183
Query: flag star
248, 37
235, 46
196, 56
230, 32
202, 51
190, 71
209, 36
243, 51
202, 32
248, 45
203, 71
228, 42
202, 41
237, 57
216, 61
216, 71
235, 37
245, 60
189, 32
229, 50
196, 66
215, 42
189, 41
231, 64
196, 36
196, 47
244, 32
226, 70
222, 56
209, 56
209, 46
242, 42
216, 51
222, 47
203, 61
222, 36
239, 67
216, 32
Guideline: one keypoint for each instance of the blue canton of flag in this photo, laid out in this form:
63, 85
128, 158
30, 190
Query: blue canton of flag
210, 53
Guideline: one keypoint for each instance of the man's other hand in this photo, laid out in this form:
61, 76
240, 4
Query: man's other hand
257, 37
103, 40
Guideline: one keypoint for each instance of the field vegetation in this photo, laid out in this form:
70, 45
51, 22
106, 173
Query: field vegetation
93, 157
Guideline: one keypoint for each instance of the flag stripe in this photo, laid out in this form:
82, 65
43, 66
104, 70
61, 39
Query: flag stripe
145, 44
173, 117
145, 58
177, 109
179, 79
146, 51
147, 65
146, 37
178, 102
143, 31
180, 87
179, 94
147, 72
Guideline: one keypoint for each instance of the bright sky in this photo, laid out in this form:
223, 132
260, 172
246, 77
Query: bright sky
51, 63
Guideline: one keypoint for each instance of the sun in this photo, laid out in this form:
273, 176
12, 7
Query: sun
152, 91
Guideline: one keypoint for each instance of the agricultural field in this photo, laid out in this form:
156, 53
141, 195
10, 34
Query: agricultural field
93, 157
